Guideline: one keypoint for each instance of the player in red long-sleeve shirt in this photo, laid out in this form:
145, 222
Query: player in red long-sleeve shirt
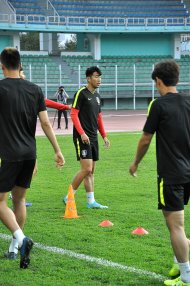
87, 119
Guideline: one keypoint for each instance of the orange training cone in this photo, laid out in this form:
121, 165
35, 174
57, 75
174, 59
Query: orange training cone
71, 211
139, 231
106, 223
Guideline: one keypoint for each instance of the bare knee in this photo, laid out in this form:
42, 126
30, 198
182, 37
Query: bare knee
18, 200
175, 221
88, 172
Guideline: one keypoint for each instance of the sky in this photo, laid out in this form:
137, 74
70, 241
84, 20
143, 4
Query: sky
63, 38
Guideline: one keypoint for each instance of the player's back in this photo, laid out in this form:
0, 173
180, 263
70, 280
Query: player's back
173, 136
20, 102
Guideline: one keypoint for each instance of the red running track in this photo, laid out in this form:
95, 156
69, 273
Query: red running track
114, 121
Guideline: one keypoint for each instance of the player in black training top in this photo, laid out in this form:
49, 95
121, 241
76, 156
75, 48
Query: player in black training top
87, 119
169, 118
20, 103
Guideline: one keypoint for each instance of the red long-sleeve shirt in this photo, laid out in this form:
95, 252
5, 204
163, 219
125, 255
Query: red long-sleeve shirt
56, 105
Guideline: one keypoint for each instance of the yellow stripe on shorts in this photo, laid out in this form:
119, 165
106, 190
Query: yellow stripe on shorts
76, 97
162, 192
78, 148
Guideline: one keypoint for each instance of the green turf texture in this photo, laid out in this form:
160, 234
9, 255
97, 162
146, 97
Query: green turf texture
132, 203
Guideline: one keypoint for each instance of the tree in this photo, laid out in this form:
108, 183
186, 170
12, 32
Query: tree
29, 41
71, 44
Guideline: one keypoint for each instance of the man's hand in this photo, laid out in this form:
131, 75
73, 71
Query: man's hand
132, 170
85, 139
107, 142
59, 159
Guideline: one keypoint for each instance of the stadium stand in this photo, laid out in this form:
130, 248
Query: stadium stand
120, 8
126, 68
28, 7
104, 8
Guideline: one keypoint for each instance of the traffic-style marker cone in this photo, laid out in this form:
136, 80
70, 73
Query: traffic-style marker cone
106, 223
71, 210
139, 231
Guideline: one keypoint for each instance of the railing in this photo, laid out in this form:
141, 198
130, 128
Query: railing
11, 6
133, 85
95, 21
50, 6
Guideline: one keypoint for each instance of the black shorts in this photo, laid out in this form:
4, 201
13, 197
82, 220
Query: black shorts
16, 174
172, 197
87, 151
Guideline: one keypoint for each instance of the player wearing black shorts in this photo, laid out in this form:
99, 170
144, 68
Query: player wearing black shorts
20, 103
169, 118
87, 119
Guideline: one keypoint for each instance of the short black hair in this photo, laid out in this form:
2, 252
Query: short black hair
167, 71
10, 58
91, 70
61, 87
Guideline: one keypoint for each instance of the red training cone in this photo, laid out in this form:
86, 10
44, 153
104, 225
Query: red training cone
106, 223
139, 231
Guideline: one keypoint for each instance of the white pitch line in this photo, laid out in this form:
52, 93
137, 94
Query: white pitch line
99, 261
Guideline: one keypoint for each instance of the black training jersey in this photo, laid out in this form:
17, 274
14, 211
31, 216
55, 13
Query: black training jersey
169, 117
20, 103
88, 105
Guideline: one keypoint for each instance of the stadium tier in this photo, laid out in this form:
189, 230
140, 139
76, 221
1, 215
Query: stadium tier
125, 38
120, 8
28, 7
99, 8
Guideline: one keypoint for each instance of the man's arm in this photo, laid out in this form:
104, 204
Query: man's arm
77, 125
56, 94
66, 95
56, 105
46, 126
142, 148
102, 130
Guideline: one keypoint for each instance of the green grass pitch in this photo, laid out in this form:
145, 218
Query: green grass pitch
132, 203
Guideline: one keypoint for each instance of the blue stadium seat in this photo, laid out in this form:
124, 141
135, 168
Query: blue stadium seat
121, 8
106, 8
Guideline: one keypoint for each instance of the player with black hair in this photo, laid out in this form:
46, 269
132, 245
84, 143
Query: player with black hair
87, 120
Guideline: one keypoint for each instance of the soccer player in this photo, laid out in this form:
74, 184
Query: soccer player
87, 120
20, 103
169, 118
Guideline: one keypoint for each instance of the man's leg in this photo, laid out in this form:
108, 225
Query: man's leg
9, 220
19, 209
66, 118
175, 224
89, 179
86, 170
59, 119
6, 214
89, 187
